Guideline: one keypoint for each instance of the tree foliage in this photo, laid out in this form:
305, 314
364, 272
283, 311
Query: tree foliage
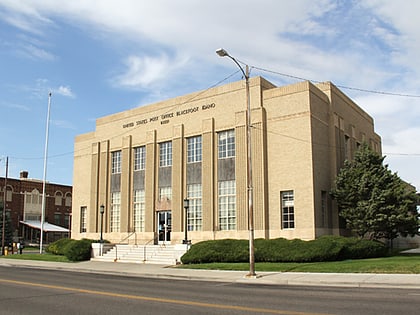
8, 234
373, 201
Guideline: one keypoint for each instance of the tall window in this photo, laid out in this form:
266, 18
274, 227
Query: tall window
67, 221
58, 198
83, 219
57, 218
226, 144
194, 149
116, 162
195, 211
347, 147
9, 193
288, 209
68, 200
165, 154
115, 212
139, 210
227, 205
33, 197
165, 193
139, 158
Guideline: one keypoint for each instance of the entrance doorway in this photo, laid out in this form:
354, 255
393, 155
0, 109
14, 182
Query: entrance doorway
164, 221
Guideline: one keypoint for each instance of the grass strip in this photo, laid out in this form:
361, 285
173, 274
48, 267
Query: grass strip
401, 264
42, 257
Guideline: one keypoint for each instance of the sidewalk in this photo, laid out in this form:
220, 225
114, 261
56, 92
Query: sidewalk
406, 281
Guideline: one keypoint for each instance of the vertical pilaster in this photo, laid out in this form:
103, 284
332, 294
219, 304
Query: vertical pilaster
241, 172
104, 181
126, 191
93, 210
259, 168
209, 162
150, 181
178, 171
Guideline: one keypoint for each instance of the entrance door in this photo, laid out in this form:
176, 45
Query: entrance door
164, 227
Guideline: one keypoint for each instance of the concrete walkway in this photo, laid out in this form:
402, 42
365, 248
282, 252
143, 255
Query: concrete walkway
407, 281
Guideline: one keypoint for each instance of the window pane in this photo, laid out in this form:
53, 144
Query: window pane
165, 154
139, 158
139, 211
116, 162
194, 216
227, 205
83, 218
165, 193
115, 212
288, 209
226, 144
194, 149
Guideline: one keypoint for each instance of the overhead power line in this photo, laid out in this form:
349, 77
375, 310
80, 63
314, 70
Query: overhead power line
340, 86
268, 71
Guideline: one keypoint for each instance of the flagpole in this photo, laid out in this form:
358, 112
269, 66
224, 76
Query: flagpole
45, 175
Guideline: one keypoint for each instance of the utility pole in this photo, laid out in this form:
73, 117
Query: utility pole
3, 234
223, 53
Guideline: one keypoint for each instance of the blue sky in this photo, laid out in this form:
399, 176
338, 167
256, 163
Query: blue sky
103, 57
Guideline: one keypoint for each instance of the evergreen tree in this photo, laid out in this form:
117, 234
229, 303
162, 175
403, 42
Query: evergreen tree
8, 235
375, 202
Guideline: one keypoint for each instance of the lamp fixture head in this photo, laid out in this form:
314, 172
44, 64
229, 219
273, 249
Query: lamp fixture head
222, 53
102, 209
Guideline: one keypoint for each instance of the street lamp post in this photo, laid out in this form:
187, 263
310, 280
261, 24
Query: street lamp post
101, 240
186, 206
223, 53
102, 211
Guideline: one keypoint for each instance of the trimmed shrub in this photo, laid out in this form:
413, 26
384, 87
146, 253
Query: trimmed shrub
296, 250
362, 248
326, 248
357, 248
74, 250
79, 250
59, 247
217, 251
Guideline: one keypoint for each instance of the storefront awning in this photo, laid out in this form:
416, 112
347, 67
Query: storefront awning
48, 227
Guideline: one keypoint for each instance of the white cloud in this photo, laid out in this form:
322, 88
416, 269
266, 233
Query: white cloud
141, 72
34, 52
23, 15
63, 124
403, 16
17, 106
404, 142
64, 91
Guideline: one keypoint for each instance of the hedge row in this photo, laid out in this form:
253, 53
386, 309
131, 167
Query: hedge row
326, 248
74, 250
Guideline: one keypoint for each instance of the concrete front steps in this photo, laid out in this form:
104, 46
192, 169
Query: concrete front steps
145, 254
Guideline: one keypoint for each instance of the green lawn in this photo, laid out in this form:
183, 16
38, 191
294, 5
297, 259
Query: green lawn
37, 256
407, 264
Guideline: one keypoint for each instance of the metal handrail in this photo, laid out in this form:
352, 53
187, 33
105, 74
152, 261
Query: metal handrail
122, 240
144, 248
127, 237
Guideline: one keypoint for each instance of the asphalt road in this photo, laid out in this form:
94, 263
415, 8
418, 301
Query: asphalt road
36, 291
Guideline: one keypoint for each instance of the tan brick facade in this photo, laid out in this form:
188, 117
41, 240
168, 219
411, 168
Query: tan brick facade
301, 135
